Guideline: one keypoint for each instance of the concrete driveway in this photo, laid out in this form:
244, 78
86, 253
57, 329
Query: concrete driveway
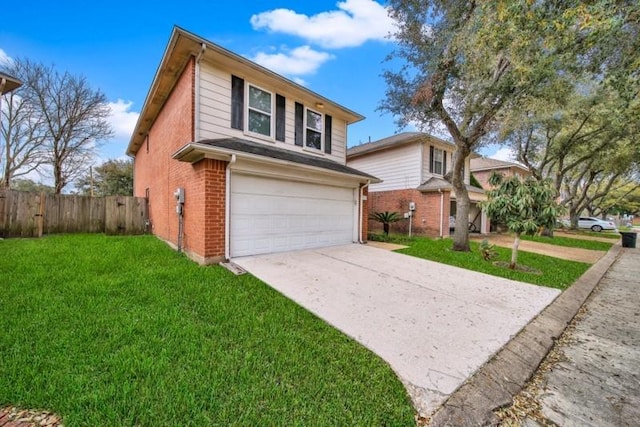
434, 324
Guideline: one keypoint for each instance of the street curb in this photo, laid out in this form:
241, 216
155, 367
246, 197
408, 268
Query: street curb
507, 372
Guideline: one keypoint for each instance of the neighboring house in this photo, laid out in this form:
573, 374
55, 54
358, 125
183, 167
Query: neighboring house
413, 167
8, 83
237, 160
483, 167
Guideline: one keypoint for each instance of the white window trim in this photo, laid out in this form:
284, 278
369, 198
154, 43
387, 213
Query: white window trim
272, 114
441, 161
305, 128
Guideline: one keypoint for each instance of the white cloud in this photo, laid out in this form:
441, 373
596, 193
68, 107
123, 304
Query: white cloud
505, 154
356, 22
300, 81
122, 120
301, 60
4, 58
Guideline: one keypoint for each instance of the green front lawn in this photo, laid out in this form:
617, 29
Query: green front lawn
555, 272
125, 331
613, 235
571, 243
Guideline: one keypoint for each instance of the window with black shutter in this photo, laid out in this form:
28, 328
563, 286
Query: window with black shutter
280, 117
237, 103
299, 124
328, 123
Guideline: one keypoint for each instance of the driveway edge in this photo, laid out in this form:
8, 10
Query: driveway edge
494, 384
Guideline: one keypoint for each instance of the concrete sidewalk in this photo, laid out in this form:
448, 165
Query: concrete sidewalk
595, 377
495, 384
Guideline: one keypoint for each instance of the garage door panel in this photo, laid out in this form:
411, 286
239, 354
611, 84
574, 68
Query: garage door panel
270, 215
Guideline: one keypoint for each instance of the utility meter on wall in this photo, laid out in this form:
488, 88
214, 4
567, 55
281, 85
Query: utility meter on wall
412, 206
179, 195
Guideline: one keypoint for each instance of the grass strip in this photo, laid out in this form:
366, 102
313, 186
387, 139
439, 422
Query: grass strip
594, 245
555, 272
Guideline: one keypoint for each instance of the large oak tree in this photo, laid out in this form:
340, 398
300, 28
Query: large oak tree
466, 62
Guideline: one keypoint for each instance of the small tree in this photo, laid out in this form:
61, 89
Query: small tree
112, 178
386, 218
524, 206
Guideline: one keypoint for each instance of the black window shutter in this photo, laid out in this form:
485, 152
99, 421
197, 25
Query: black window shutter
431, 158
280, 117
237, 103
444, 162
327, 133
299, 126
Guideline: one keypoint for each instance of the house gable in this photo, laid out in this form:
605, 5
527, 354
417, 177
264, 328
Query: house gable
235, 97
284, 119
482, 169
398, 167
404, 161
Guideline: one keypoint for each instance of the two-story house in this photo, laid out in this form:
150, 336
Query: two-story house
414, 168
237, 160
483, 167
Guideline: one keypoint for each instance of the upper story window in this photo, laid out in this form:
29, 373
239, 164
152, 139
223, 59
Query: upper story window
438, 157
312, 129
262, 113
259, 110
313, 134
437, 161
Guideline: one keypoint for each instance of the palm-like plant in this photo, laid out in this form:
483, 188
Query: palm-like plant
386, 218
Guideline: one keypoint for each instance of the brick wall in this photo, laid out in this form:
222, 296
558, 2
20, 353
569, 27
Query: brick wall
365, 215
426, 217
157, 175
483, 176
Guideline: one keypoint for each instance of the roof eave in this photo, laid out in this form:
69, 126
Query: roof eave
194, 152
419, 138
8, 83
182, 45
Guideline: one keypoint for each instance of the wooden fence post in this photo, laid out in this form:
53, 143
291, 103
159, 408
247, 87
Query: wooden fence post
41, 210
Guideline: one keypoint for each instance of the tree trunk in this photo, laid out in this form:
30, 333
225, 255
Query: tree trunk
547, 232
57, 177
461, 233
573, 216
385, 227
514, 252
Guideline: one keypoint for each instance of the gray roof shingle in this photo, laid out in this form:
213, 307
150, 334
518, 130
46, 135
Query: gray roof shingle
485, 163
250, 147
394, 140
434, 184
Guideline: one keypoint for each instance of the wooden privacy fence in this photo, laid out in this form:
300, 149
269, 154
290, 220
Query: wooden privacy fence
25, 214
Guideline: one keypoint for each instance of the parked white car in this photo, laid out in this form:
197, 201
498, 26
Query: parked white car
591, 223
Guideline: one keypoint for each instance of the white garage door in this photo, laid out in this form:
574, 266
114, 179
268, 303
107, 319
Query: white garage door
272, 215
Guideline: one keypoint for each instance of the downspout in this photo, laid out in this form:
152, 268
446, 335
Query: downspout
196, 113
227, 208
360, 220
441, 212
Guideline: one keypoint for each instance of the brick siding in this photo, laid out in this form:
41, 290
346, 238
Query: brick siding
204, 182
426, 218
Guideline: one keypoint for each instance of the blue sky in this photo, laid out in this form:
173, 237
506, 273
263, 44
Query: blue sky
335, 48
